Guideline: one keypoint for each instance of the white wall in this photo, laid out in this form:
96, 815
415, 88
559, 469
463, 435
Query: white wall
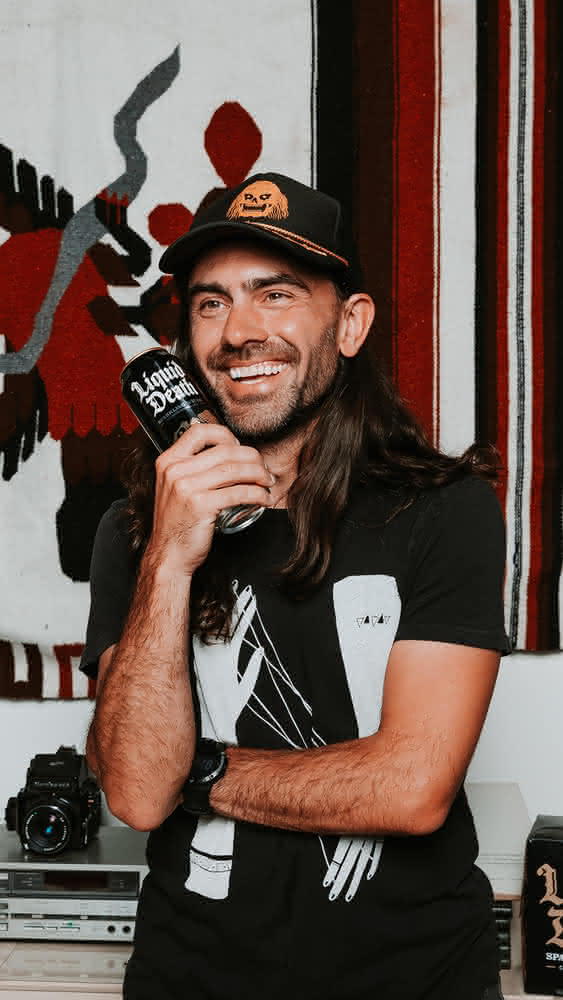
30, 727
522, 740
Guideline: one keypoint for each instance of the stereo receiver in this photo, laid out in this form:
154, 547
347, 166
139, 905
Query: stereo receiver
89, 894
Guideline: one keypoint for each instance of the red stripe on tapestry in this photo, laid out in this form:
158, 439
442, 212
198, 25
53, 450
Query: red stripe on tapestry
64, 653
503, 112
537, 553
413, 153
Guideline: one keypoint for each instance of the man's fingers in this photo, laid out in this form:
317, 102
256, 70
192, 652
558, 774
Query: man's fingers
182, 486
198, 437
222, 465
204, 472
247, 494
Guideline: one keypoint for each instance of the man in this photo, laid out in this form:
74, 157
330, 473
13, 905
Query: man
291, 710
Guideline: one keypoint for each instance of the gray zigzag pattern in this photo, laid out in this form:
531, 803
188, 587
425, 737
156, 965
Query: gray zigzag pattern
85, 229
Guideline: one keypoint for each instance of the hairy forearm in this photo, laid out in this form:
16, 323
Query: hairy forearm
373, 786
91, 755
142, 735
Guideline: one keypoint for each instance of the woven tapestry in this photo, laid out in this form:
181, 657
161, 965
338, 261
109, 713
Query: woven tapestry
435, 123
439, 127
121, 121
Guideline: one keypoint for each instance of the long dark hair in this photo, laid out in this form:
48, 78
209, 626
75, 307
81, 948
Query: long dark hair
364, 432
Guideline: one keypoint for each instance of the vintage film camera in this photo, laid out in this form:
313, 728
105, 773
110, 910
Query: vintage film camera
59, 806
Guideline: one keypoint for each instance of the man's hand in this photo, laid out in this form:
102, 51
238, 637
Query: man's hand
203, 472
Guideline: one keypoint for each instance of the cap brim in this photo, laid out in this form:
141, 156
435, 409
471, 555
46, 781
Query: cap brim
180, 256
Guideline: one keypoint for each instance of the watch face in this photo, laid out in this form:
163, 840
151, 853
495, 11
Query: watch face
209, 765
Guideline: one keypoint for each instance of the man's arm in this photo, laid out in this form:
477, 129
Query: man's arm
141, 741
400, 780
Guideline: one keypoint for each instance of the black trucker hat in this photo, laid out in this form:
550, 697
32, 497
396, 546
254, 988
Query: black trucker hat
278, 210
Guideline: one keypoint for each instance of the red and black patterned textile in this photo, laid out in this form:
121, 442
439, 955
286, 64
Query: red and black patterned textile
437, 124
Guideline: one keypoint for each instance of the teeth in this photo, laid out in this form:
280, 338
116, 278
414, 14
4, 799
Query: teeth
251, 371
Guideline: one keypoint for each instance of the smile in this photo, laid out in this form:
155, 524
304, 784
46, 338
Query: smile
253, 371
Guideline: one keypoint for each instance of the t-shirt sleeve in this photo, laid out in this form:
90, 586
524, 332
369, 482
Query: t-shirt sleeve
112, 579
456, 578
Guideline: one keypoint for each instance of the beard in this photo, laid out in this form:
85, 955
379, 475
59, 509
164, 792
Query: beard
286, 413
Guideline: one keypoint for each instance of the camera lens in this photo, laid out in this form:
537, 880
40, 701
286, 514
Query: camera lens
46, 829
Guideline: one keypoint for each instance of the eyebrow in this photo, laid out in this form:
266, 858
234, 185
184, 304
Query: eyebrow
253, 285
206, 286
278, 278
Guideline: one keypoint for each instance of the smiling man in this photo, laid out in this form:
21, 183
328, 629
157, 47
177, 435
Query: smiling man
291, 711
265, 334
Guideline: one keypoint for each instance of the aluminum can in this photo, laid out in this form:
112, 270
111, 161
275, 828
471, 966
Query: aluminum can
166, 400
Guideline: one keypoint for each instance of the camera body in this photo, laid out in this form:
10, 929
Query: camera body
60, 805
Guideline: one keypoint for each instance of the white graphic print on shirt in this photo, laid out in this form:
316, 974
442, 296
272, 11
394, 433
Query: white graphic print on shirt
223, 694
367, 610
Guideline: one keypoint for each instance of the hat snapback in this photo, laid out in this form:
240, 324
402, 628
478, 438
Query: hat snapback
275, 209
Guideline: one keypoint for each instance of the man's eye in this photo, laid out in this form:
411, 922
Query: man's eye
210, 305
276, 296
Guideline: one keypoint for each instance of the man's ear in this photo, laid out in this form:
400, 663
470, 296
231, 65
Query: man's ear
358, 313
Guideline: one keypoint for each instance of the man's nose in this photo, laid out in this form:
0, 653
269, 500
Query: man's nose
243, 324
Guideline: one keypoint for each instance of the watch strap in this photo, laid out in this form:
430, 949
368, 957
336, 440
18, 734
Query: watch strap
208, 766
196, 800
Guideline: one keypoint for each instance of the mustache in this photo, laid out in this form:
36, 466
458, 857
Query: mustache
227, 356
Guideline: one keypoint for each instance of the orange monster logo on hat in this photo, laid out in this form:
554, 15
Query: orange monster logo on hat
260, 200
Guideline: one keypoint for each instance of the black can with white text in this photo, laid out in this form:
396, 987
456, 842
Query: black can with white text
167, 401
542, 908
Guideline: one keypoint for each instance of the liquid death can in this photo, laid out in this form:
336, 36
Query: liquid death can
166, 401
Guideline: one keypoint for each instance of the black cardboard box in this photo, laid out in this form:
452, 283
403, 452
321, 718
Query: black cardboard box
542, 911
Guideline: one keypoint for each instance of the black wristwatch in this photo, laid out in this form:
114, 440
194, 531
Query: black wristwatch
209, 764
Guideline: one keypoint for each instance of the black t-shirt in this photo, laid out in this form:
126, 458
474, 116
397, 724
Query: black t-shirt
241, 910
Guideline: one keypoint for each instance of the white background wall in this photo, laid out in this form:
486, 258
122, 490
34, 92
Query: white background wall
522, 740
